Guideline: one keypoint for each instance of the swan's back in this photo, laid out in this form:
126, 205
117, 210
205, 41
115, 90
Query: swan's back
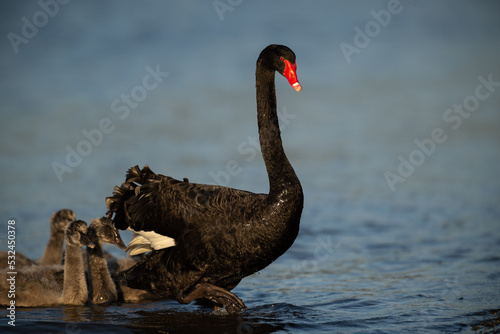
35, 286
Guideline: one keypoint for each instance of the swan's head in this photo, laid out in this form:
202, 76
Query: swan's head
76, 234
60, 220
104, 230
282, 59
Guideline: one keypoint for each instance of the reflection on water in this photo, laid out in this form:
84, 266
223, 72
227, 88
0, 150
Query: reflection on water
74, 313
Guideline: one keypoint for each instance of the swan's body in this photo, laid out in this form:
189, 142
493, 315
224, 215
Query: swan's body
38, 285
126, 294
214, 236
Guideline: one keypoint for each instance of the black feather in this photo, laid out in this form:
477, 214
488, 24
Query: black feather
221, 234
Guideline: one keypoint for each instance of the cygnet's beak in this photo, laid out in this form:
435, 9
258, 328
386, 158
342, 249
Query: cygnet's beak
86, 240
118, 241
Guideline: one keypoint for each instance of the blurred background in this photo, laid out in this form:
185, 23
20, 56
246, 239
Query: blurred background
376, 76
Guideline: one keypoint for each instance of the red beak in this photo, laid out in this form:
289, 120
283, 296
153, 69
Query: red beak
291, 75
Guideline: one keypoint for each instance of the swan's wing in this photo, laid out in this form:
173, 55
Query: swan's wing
143, 242
149, 202
138, 245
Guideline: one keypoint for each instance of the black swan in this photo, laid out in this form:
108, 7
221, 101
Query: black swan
206, 238
102, 287
54, 249
38, 285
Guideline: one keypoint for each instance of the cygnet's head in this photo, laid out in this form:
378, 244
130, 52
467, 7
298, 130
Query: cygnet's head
60, 220
76, 234
104, 230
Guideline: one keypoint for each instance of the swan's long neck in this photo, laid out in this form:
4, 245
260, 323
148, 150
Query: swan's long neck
75, 291
280, 172
53, 250
103, 289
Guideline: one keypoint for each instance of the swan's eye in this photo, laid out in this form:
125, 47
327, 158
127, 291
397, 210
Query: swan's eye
282, 58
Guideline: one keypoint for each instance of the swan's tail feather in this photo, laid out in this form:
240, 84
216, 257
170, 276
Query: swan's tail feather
126, 194
133, 174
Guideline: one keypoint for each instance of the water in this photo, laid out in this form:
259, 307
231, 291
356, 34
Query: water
372, 256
